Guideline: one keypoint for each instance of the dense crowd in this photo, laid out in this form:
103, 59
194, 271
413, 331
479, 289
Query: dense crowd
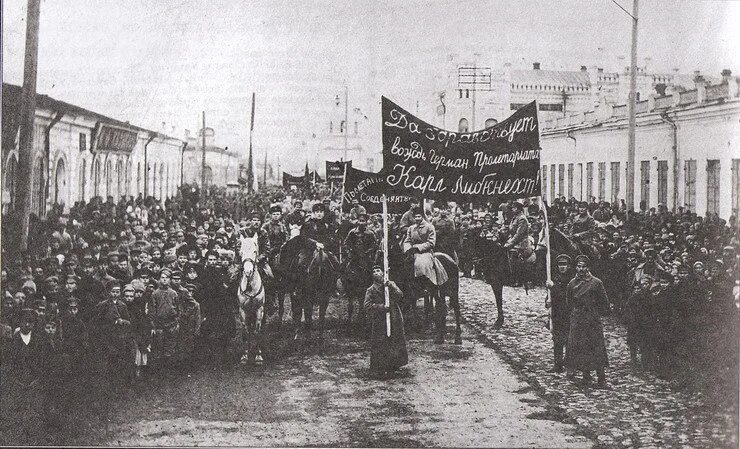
122, 286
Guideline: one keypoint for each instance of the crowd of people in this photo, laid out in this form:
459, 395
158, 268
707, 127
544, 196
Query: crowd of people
141, 282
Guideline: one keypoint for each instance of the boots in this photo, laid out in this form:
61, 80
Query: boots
558, 366
601, 379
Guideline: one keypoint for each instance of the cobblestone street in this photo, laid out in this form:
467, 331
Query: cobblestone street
639, 410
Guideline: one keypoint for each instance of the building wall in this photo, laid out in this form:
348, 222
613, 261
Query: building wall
224, 167
71, 170
705, 132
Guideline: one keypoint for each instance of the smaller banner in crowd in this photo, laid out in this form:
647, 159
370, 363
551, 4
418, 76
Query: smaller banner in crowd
502, 161
290, 180
335, 170
368, 188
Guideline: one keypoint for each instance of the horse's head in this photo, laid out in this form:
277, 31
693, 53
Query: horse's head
248, 247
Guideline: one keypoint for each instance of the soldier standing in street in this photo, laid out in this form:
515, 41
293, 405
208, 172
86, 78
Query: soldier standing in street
560, 321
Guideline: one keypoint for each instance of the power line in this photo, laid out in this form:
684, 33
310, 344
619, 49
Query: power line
627, 12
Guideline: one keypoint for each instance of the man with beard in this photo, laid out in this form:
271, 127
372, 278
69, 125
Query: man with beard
560, 321
218, 310
359, 248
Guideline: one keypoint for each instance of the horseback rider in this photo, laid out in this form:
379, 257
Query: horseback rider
317, 230
254, 228
519, 243
359, 250
275, 231
448, 240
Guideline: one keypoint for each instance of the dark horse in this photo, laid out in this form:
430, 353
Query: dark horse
310, 275
494, 262
401, 272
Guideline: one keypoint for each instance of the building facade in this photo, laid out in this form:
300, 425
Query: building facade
687, 151
79, 154
222, 164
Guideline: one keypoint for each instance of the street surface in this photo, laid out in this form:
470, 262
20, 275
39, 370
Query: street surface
448, 396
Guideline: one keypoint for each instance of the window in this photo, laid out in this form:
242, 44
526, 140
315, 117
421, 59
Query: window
60, 183
736, 186
37, 188
644, 185
129, 164
109, 178
341, 127
460, 90
167, 181
331, 127
517, 106
579, 182
467, 93
119, 180
544, 182
570, 181
713, 171
153, 192
491, 122
161, 180
96, 178
561, 179
552, 183
589, 180
663, 182
355, 128
602, 181
83, 141
689, 199
138, 177
615, 182
462, 126
551, 107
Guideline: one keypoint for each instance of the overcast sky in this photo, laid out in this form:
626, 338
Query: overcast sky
154, 61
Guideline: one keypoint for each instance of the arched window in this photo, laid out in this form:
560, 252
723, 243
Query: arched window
167, 182
129, 164
37, 188
60, 183
138, 177
209, 175
491, 122
96, 178
11, 171
119, 180
109, 179
463, 125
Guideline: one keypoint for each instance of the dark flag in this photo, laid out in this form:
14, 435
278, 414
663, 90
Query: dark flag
335, 170
368, 188
290, 180
502, 161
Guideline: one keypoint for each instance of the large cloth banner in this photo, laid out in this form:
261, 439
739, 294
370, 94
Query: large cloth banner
290, 180
335, 170
368, 188
502, 161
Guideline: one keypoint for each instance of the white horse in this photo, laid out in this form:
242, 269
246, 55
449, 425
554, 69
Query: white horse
251, 294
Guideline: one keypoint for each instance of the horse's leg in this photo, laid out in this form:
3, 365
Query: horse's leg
349, 292
308, 320
322, 321
498, 291
296, 309
257, 336
455, 304
281, 307
440, 309
246, 337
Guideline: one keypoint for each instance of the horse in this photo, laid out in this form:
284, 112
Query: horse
494, 261
435, 297
310, 275
251, 295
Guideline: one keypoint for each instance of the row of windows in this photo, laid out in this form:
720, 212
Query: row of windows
575, 183
542, 106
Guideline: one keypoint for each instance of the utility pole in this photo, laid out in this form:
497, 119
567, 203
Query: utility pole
27, 114
346, 119
632, 121
203, 157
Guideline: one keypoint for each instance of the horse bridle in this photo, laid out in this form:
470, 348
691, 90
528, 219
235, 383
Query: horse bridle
240, 292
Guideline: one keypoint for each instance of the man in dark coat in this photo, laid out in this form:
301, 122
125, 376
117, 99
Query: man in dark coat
218, 310
587, 300
387, 354
560, 320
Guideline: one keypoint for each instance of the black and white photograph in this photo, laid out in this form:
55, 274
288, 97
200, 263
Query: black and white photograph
387, 223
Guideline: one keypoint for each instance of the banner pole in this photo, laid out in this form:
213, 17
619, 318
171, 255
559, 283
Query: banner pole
548, 257
341, 211
385, 267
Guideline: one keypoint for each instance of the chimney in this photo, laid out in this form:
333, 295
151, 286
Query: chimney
726, 75
583, 68
701, 87
536, 66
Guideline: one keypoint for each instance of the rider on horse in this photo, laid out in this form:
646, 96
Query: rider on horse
359, 250
519, 242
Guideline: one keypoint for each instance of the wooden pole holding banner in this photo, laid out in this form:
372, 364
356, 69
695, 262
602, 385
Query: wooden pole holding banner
341, 210
385, 267
548, 259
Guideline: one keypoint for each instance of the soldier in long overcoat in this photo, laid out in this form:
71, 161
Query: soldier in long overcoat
359, 249
586, 348
387, 354
559, 308
420, 241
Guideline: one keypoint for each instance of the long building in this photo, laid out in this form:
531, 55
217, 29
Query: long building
79, 154
687, 151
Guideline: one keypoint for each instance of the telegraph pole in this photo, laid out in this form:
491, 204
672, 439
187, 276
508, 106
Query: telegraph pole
346, 120
27, 114
203, 157
632, 120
